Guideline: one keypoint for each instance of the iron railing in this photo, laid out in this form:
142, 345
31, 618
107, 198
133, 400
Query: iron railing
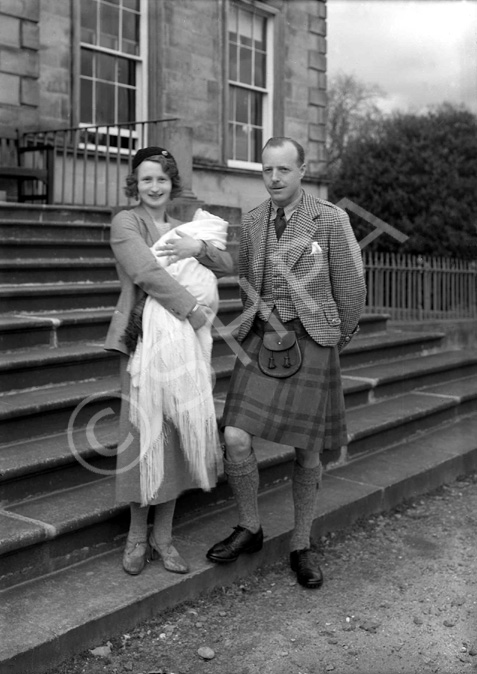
414, 287
90, 162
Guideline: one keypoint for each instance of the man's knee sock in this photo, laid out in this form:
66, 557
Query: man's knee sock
243, 479
305, 483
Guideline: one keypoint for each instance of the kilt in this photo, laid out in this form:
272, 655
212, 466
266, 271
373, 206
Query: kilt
305, 410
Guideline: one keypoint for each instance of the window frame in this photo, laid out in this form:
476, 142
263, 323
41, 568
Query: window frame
268, 92
140, 61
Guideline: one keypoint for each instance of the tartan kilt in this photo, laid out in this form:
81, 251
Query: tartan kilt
305, 410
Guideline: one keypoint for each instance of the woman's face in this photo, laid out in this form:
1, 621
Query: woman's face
153, 185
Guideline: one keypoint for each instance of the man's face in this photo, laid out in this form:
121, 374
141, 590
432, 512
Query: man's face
281, 174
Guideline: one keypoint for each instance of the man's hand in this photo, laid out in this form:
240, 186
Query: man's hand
179, 249
198, 318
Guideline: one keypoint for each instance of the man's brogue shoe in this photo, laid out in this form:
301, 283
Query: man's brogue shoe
240, 541
306, 567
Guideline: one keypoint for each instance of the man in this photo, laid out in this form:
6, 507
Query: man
303, 291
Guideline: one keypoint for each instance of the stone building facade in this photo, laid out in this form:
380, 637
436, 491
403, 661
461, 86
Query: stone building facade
231, 73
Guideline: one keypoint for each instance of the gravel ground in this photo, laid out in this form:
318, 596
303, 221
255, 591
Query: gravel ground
400, 597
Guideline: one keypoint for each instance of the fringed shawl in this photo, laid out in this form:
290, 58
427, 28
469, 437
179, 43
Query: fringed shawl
171, 378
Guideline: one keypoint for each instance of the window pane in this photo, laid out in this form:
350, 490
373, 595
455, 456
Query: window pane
259, 32
256, 140
256, 109
86, 63
88, 21
131, 27
109, 26
131, 4
126, 105
126, 72
233, 62
230, 141
259, 69
241, 144
106, 67
245, 28
104, 103
86, 101
245, 66
241, 106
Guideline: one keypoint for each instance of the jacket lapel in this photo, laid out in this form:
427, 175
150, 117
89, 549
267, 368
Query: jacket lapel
258, 234
299, 236
148, 221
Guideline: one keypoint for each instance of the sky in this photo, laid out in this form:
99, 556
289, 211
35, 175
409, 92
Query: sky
420, 52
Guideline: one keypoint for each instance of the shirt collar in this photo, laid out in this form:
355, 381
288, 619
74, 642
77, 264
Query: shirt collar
289, 210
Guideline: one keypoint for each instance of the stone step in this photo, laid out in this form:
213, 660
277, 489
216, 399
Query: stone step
74, 249
393, 344
104, 602
397, 376
39, 465
85, 512
373, 323
388, 421
454, 369
43, 411
47, 297
57, 270
29, 465
54, 230
47, 213
41, 366
55, 328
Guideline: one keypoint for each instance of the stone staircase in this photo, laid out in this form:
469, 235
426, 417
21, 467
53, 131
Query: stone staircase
404, 391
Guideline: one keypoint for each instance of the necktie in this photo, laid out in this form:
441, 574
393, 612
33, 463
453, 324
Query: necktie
280, 222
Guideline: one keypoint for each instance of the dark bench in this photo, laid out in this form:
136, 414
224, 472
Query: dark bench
24, 174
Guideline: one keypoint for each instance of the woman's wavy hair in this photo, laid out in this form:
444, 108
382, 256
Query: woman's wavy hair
169, 167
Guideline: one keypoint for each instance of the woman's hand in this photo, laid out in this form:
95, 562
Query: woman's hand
179, 249
198, 318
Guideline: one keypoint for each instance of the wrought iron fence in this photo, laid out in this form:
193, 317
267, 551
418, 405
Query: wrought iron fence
90, 162
412, 287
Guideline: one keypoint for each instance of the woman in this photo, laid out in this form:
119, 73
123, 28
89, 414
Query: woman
154, 182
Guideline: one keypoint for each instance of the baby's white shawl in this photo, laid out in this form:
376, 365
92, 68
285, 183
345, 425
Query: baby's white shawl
170, 370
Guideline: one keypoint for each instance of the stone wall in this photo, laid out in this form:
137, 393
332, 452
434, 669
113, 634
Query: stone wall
19, 63
56, 54
35, 63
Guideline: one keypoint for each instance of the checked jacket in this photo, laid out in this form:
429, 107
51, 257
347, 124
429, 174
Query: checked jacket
318, 258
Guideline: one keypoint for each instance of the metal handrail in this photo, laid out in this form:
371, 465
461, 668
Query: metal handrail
92, 160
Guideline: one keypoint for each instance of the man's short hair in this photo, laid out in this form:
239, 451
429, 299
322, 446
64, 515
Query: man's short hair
279, 141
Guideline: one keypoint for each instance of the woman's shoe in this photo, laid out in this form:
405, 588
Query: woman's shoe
171, 559
135, 557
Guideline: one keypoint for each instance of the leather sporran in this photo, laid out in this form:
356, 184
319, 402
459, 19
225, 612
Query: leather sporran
279, 355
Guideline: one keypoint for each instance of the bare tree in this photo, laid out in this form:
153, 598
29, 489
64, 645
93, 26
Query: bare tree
352, 110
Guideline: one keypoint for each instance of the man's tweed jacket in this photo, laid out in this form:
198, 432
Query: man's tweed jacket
325, 279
